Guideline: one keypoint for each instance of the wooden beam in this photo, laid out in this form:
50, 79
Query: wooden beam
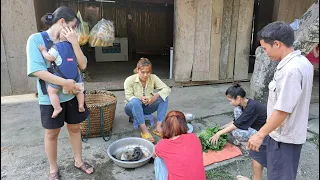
215, 45
290, 15
283, 10
302, 4
233, 38
129, 28
184, 32
244, 29
171, 2
202, 83
201, 58
225, 38
118, 86
275, 10
288, 10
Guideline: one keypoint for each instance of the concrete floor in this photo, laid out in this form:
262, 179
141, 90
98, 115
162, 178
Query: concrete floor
22, 147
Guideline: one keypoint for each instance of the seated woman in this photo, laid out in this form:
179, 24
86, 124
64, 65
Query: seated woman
250, 116
179, 154
140, 98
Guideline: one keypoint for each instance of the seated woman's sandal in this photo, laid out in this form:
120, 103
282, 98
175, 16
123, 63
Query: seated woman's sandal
147, 136
157, 133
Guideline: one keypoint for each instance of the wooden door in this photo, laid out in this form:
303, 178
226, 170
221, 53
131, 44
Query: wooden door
212, 39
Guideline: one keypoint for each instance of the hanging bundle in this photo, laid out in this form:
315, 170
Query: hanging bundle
102, 34
82, 30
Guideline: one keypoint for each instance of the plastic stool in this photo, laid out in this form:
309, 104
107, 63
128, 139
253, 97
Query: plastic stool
146, 117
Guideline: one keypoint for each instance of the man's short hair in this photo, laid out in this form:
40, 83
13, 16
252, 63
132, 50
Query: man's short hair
279, 31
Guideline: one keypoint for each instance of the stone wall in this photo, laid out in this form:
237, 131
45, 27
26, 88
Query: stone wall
18, 22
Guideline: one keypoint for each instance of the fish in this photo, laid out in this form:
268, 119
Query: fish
135, 155
125, 156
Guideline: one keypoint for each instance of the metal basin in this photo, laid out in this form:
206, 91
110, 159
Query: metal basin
190, 128
118, 147
189, 116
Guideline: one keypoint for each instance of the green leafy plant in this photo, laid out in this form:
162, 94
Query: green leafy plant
205, 136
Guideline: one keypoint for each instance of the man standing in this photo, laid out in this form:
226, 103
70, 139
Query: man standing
288, 103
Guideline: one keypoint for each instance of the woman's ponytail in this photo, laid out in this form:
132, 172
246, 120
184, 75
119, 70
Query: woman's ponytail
47, 19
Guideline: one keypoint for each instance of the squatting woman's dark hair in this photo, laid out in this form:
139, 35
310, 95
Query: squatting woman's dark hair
235, 90
62, 12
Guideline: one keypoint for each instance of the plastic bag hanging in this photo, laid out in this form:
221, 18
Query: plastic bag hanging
82, 30
102, 34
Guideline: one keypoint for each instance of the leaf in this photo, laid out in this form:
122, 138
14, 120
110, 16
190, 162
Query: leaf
205, 136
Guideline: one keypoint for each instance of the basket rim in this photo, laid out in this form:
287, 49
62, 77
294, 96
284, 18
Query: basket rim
101, 92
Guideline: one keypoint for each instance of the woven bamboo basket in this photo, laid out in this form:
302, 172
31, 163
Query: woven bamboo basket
102, 107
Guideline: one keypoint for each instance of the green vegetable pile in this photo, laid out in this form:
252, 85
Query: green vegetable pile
205, 135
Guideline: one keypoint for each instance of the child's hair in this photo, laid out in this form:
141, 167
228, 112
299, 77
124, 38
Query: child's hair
141, 63
235, 90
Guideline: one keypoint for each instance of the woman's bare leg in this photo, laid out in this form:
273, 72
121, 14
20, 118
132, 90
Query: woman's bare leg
75, 141
51, 148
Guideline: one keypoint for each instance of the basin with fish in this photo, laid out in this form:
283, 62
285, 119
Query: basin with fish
130, 152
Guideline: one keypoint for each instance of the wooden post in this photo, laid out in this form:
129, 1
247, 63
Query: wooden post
289, 10
226, 38
243, 40
233, 38
201, 58
215, 45
184, 29
129, 29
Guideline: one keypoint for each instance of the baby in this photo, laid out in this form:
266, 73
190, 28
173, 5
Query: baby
63, 56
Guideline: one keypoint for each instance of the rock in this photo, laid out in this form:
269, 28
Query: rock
264, 69
307, 37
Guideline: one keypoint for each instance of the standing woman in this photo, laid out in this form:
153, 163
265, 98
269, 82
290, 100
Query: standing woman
62, 19
141, 98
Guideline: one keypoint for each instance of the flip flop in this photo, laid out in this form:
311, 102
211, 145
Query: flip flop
54, 176
147, 136
239, 177
84, 167
157, 133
